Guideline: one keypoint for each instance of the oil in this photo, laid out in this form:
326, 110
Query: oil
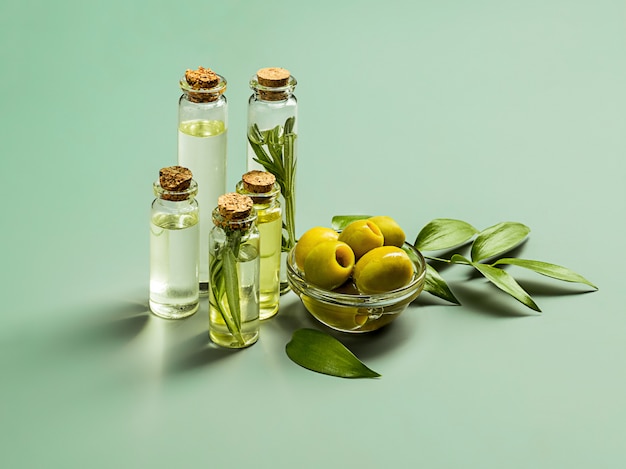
270, 225
202, 149
174, 264
262, 188
248, 274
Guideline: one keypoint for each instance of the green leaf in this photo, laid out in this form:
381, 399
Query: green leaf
444, 233
459, 259
320, 352
436, 285
290, 124
498, 239
231, 282
550, 270
275, 145
339, 222
255, 135
261, 156
506, 283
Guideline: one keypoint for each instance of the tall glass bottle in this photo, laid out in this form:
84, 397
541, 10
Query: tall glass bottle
272, 143
234, 273
202, 126
174, 245
262, 188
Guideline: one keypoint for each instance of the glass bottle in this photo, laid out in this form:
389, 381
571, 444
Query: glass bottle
174, 245
234, 264
262, 188
202, 131
272, 144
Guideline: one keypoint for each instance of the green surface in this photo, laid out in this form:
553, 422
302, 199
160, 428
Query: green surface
484, 111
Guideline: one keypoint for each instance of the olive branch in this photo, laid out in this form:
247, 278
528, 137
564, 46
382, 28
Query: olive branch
486, 248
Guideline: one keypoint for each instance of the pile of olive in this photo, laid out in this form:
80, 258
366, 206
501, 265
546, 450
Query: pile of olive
367, 252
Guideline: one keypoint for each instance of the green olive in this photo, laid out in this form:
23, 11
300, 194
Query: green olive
310, 239
362, 236
393, 234
383, 269
329, 264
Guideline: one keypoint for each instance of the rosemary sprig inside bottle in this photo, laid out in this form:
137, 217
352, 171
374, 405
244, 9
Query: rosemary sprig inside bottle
234, 273
275, 151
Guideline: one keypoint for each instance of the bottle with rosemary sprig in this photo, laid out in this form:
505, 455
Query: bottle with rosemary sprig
234, 265
272, 144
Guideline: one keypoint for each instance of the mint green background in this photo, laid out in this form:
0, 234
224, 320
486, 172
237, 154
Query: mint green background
480, 110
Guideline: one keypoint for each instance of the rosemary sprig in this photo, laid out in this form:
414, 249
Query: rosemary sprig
224, 296
275, 151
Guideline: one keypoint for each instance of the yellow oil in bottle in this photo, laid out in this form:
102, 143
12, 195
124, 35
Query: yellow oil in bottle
270, 225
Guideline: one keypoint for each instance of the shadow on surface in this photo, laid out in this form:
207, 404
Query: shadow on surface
426, 299
489, 300
551, 287
365, 345
376, 343
292, 316
111, 324
197, 352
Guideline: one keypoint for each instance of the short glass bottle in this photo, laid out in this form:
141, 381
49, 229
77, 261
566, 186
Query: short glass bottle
272, 135
202, 134
234, 264
262, 188
174, 245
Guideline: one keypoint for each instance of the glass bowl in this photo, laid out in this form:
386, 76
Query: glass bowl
345, 309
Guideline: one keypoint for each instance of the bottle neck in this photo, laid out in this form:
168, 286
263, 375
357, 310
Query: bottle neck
262, 200
184, 197
243, 225
270, 93
203, 95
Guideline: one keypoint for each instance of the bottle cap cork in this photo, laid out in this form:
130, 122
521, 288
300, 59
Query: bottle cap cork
202, 85
258, 182
273, 77
202, 78
175, 180
233, 206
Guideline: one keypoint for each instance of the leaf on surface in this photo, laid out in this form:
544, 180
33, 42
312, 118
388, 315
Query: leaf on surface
506, 283
550, 270
322, 353
444, 233
437, 286
498, 239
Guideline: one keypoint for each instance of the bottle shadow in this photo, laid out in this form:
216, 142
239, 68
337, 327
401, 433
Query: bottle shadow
102, 326
195, 353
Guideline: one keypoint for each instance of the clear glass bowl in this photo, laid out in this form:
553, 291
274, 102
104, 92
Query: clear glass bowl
347, 310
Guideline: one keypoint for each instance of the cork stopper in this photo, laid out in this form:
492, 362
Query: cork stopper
235, 210
258, 182
174, 183
200, 85
273, 77
202, 78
